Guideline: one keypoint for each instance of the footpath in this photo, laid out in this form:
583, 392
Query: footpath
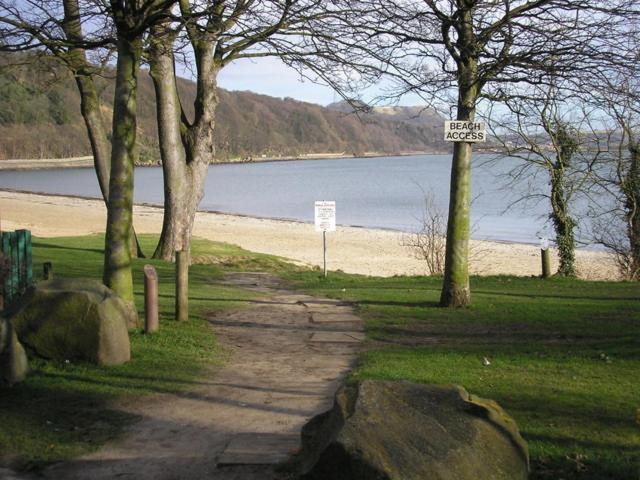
288, 354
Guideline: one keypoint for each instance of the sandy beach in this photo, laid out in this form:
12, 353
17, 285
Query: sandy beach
350, 249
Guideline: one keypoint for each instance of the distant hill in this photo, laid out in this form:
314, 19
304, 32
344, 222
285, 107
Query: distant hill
40, 118
419, 116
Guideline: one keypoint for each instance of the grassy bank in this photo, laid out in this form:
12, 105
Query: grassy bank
564, 358
64, 409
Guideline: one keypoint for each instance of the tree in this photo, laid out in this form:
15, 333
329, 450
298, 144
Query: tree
119, 23
218, 33
618, 227
479, 49
549, 131
131, 20
66, 42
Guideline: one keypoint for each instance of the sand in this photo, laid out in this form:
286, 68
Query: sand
350, 249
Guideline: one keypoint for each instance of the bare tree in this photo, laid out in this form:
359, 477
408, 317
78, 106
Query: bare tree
549, 131
428, 243
120, 24
478, 49
617, 223
217, 32
60, 33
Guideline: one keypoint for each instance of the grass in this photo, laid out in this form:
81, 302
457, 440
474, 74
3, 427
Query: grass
564, 358
64, 410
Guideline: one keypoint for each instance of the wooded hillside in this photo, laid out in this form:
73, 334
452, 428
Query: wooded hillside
40, 118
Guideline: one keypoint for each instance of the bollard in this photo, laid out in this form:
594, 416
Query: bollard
47, 271
151, 320
182, 286
546, 263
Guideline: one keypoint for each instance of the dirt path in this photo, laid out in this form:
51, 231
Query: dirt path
288, 354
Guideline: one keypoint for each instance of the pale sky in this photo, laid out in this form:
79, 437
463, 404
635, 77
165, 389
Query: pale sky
270, 76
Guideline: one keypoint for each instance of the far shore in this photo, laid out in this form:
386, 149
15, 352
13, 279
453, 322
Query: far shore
350, 249
87, 161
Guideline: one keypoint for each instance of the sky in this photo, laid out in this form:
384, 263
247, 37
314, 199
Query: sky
270, 76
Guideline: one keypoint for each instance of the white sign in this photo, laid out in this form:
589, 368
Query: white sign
460, 131
325, 216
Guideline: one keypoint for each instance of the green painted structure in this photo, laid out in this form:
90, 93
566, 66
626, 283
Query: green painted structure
16, 248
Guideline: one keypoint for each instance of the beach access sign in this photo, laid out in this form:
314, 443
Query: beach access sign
460, 131
325, 214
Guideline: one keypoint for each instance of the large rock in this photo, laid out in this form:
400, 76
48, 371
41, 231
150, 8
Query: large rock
74, 319
403, 431
13, 359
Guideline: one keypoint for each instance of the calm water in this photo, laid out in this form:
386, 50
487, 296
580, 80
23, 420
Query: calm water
382, 192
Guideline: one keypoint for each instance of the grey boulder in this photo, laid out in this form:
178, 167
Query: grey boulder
74, 319
380, 430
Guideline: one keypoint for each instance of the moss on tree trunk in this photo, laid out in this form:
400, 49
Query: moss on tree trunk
117, 256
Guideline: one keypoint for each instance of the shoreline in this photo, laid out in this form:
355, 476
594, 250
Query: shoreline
357, 250
276, 219
87, 161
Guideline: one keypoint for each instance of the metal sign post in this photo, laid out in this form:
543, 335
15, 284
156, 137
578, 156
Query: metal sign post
325, 221
324, 253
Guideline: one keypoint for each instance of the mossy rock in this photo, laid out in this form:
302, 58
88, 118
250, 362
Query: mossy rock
74, 319
381, 430
14, 365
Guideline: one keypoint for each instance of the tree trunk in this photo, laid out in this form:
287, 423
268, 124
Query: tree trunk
632, 208
185, 149
90, 107
563, 224
455, 288
117, 256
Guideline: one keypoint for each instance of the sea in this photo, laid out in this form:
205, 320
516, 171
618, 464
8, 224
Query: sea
380, 192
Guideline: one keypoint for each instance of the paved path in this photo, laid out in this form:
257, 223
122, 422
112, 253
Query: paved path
288, 354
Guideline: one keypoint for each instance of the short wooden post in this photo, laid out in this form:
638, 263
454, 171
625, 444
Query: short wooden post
182, 286
47, 271
546, 262
151, 320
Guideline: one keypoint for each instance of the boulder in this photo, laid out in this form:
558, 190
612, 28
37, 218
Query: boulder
74, 319
380, 430
13, 359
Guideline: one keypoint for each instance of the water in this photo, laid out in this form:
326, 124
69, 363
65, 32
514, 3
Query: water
384, 192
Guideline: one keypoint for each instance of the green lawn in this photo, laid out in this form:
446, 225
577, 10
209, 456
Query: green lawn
564, 358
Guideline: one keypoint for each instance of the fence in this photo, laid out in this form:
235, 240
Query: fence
16, 249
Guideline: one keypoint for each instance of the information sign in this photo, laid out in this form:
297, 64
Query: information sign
460, 131
325, 216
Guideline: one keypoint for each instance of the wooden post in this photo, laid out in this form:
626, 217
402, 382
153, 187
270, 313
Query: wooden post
151, 321
182, 286
546, 263
47, 271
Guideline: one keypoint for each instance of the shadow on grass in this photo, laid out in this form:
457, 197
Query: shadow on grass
553, 296
63, 421
61, 247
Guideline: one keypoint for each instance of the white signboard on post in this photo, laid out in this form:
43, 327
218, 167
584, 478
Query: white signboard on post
461, 131
325, 215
